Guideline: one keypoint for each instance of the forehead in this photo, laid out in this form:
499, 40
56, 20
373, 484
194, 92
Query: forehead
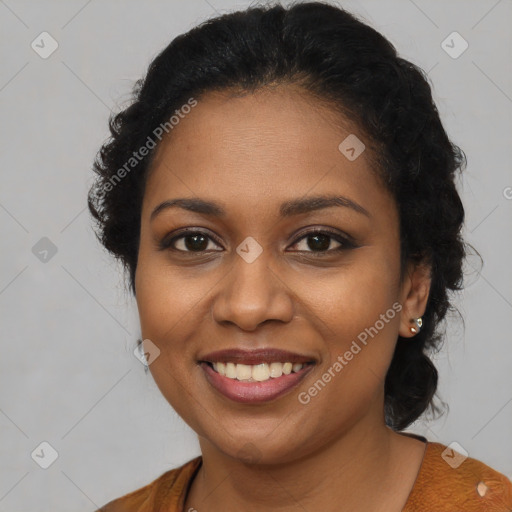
259, 147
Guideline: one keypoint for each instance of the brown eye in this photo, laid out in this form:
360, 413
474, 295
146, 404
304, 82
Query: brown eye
321, 242
189, 241
318, 242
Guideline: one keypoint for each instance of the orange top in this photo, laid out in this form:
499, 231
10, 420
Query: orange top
446, 482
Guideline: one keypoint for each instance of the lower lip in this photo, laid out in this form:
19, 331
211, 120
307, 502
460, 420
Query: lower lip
254, 392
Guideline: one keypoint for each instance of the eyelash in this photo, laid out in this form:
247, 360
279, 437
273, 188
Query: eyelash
345, 242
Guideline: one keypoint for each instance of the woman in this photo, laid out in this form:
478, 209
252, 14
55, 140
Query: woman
282, 194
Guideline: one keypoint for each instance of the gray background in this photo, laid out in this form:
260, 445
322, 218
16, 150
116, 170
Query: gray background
69, 327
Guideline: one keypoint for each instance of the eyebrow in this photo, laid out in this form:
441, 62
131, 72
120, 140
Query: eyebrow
287, 209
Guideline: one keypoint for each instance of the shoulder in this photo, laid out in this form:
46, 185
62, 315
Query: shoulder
448, 481
168, 489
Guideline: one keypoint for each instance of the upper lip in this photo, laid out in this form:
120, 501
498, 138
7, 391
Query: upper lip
256, 356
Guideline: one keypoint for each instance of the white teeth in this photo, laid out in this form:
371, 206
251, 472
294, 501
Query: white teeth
260, 372
276, 370
243, 371
220, 367
231, 370
257, 372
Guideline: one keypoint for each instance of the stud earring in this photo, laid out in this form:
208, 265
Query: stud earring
418, 322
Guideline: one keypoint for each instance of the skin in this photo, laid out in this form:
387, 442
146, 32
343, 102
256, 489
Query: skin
249, 154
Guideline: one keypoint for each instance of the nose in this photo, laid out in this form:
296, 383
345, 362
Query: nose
251, 294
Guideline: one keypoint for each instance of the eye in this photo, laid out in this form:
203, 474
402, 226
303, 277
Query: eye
316, 241
189, 241
320, 241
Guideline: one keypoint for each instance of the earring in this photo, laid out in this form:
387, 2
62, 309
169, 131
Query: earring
418, 322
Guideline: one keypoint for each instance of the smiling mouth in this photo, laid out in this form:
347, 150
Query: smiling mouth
255, 383
256, 372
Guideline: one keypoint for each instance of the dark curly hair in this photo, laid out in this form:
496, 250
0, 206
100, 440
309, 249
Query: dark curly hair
349, 66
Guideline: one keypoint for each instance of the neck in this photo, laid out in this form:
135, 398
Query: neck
358, 468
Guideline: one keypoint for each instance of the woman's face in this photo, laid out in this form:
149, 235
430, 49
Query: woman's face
246, 277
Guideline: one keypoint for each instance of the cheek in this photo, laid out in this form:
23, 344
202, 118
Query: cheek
355, 296
361, 339
163, 306
167, 313
166, 299
358, 313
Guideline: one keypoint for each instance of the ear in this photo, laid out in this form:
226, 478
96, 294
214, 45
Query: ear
414, 296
